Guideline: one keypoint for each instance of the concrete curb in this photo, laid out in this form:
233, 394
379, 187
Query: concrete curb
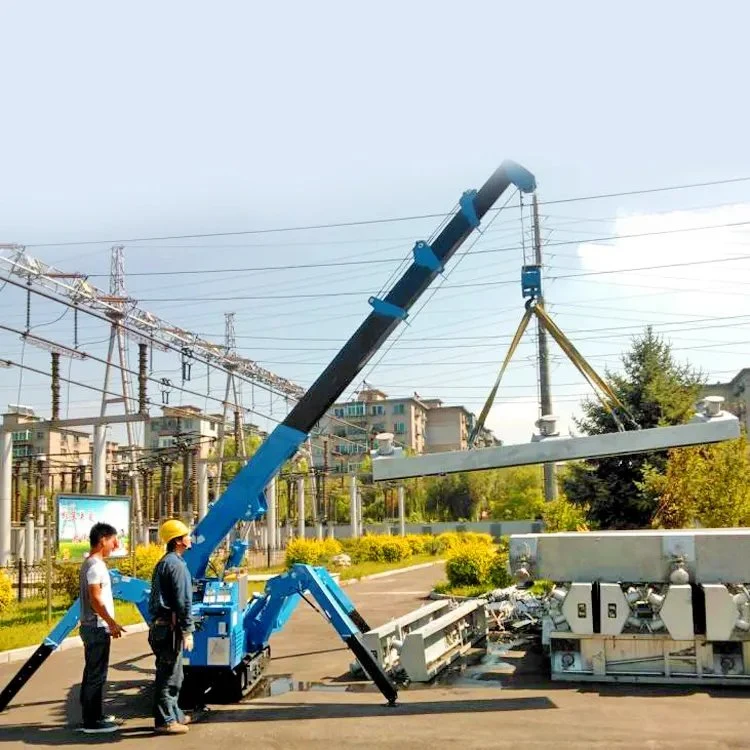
21, 654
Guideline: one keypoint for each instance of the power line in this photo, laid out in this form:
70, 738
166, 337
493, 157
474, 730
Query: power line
389, 220
363, 293
394, 259
180, 388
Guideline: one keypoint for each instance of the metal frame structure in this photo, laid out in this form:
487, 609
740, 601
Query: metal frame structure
153, 330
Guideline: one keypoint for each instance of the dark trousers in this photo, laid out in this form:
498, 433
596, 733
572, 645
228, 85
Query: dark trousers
96, 644
166, 644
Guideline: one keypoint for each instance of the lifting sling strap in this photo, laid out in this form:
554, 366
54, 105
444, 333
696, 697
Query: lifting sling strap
601, 388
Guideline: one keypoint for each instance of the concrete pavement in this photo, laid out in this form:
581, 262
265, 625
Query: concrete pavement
309, 701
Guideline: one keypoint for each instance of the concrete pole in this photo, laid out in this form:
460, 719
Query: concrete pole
353, 506
401, 511
301, 507
28, 540
40, 534
545, 391
271, 514
202, 469
99, 465
6, 495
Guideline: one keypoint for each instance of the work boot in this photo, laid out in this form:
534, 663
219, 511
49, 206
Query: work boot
174, 727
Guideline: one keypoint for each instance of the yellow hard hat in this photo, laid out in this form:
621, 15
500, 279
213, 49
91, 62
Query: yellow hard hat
172, 529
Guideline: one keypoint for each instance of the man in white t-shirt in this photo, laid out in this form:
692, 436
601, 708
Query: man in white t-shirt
98, 627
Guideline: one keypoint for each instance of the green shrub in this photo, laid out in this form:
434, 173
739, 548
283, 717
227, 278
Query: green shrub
305, 551
395, 548
371, 549
146, 557
500, 576
449, 541
416, 543
470, 565
431, 545
331, 548
6, 591
66, 580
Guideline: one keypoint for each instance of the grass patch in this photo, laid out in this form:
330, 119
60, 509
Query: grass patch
25, 624
369, 568
443, 587
262, 569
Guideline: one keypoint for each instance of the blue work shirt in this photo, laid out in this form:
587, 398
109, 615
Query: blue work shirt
172, 592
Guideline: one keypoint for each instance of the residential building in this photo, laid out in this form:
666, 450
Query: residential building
419, 425
736, 395
58, 450
186, 423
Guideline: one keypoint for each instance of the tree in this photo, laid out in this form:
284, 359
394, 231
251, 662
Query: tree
562, 515
229, 469
449, 498
657, 391
517, 493
706, 485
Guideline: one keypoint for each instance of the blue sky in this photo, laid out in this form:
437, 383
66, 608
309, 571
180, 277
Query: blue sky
179, 118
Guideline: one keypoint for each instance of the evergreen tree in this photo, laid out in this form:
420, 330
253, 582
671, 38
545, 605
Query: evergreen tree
657, 391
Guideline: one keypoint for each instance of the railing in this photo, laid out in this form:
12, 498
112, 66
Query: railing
30, 581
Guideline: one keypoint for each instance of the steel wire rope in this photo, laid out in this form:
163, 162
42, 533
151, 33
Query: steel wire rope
363, 222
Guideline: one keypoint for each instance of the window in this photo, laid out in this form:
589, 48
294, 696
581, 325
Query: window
338, 412
353, 468
377, 410
357, 409
22, 436
348, 449
399, 428
39, 435
398, 409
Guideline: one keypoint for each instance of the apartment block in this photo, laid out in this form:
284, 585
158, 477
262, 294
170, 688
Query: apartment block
418, 425
60, 450
188, 423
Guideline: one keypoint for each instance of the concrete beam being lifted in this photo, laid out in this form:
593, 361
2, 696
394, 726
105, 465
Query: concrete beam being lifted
704, 429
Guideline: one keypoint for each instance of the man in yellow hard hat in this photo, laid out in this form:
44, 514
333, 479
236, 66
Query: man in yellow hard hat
171, 629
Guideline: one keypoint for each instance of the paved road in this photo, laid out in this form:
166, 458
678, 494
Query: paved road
309, 702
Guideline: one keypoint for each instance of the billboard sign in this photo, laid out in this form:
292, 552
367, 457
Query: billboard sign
76, 514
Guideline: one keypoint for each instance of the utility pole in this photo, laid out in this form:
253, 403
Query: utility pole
550, 481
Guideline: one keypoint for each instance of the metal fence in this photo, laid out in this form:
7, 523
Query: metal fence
30, 581
259, 559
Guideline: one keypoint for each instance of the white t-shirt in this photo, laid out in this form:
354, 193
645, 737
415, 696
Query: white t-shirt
99, 573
